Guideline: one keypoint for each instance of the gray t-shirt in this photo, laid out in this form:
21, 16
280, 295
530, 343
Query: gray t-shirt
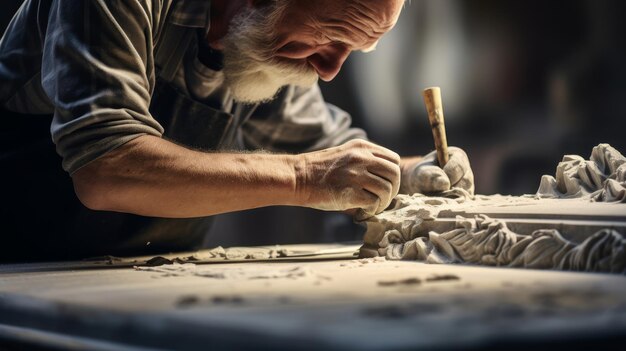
92, 64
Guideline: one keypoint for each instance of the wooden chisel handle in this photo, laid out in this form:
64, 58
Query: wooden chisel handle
434, 107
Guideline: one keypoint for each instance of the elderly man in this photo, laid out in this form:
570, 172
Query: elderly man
126, 122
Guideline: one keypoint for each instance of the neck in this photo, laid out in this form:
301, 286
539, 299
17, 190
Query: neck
222, 12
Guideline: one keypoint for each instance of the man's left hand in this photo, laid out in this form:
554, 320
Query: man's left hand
423, 175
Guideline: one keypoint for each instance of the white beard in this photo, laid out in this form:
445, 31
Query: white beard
250, 72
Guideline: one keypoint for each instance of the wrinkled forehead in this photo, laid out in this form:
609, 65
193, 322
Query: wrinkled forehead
360, 23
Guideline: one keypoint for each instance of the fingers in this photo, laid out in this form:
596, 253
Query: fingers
388, 171
456, 166
386, 154
466, 183
382, 178
368, 204
359, 175
459, 170
376, 150
429, 179
382, 188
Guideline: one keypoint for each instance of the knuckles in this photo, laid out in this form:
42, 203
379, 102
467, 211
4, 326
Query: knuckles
359, 143
459, 153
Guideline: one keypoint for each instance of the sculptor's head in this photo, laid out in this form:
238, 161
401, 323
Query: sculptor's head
272, 43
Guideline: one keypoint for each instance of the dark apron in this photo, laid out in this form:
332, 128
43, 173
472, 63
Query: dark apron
42, 219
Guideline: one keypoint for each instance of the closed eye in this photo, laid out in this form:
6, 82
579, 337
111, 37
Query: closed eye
296, 50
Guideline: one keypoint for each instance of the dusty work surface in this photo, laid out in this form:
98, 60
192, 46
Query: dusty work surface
367, 304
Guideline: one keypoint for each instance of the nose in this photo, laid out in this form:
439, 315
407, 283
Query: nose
328, 61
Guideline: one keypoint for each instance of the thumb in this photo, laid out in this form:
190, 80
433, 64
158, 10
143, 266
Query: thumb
428, 179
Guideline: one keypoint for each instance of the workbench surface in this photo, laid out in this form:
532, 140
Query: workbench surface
344, 303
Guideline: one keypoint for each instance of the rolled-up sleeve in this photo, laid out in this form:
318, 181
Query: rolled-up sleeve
98, 71
298, 120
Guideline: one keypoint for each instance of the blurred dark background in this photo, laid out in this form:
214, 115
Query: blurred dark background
523, 83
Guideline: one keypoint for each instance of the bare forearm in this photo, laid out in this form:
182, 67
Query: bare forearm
153, 177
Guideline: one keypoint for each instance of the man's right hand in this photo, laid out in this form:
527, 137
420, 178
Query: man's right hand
355, 175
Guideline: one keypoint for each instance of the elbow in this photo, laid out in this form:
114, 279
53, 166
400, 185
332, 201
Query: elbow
99, 185
90, 189
109, 183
